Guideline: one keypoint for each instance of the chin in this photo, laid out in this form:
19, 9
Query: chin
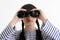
29, 23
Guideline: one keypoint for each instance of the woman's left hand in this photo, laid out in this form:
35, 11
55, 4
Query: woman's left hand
41, 16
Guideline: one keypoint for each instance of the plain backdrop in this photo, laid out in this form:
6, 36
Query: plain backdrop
8, 9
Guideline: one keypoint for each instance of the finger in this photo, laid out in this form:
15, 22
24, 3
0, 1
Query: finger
34, 9
23, 10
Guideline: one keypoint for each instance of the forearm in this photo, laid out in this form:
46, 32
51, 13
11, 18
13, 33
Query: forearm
44, 20
7, 31
51, 30
13, 23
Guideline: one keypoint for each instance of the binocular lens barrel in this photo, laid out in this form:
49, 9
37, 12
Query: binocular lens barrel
22, 14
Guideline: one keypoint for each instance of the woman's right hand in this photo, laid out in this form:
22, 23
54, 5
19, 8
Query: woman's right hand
16, 19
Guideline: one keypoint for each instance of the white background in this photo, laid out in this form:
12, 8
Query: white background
8, 9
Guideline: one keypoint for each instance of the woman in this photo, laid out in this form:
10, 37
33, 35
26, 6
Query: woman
47, 32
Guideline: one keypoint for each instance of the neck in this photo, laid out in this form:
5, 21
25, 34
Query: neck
31, 27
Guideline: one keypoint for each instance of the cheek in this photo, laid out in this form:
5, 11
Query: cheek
25, 20
34, 20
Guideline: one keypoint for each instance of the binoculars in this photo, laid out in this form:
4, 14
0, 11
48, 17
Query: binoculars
22, 14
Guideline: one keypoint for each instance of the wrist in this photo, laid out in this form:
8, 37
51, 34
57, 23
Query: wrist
44, 20
13, 23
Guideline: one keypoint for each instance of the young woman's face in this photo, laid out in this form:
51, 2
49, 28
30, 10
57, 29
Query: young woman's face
29, 20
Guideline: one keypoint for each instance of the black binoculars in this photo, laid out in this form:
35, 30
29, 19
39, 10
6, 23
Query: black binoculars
22, 14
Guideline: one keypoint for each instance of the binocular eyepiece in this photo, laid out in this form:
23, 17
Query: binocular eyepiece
22, 14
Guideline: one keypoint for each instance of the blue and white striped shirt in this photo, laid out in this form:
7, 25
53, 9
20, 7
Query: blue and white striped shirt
49, 32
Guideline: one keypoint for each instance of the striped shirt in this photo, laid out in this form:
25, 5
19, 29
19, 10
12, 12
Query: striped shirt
49, 32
